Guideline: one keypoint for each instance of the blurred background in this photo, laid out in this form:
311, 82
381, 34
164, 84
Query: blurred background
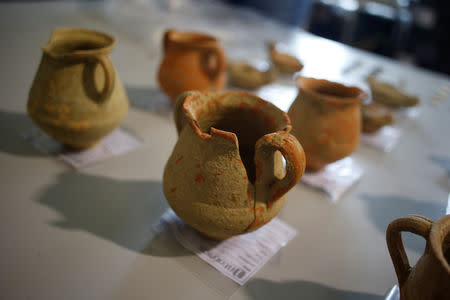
413, 31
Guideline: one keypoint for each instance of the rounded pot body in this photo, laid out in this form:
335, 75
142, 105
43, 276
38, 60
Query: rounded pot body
76, 96
192, 61
326, 119
225, 175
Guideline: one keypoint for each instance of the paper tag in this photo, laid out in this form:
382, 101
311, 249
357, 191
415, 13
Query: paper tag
116, 143
238, 257
42, 142
383, 139
336, 178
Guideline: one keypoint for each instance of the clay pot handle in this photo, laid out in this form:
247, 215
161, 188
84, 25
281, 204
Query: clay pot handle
411, 223
108, 68
294, 155
207, 56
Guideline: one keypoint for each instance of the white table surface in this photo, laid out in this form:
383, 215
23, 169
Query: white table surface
86, 234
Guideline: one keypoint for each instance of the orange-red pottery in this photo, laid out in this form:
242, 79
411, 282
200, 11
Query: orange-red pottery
326, 119
192, 61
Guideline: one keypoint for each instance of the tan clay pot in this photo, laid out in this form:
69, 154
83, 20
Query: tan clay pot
285, 63
243, 75
430, 277
76, 96
326, 119
374, 117
389, 95
192, 61
225, 174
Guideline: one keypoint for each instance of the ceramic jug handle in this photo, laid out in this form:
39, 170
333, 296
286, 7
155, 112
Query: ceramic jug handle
294, 155
108, 68
411, 223
207, 56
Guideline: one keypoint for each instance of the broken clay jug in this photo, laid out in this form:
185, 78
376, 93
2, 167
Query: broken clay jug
192, 61
225, 175
430, 277
326, 119
76, 96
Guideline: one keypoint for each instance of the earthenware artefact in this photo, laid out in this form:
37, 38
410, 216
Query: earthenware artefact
430, 277
285, 63
326, 119
76, 96
244, 75
192, 61
389, 95
225, 175
374, 117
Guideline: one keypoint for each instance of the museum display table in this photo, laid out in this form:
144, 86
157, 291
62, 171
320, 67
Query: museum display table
89, 233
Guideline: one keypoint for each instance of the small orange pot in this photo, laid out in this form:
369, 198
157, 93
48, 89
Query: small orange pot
192, 61
326, 119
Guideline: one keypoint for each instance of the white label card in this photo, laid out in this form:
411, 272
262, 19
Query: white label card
383, 139
336, 178
116, 143
238, 257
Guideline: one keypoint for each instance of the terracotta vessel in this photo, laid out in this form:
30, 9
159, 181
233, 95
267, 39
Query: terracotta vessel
389, 95
326, 119
430, 277
243, 75
192, 61
225, 175
76, 96
374, 117
285, 63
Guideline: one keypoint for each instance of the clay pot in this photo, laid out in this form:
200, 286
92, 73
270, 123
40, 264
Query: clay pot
285, 63
326, 119
225, 175
430, 277
389, 95
76, 96
192, 61
243, 75
374, 117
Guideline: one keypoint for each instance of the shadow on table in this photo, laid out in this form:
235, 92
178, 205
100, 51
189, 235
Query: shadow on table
164, 244
444, 163
150, 99
383, 209
12, 126
441, 161
121, 211
265, 289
